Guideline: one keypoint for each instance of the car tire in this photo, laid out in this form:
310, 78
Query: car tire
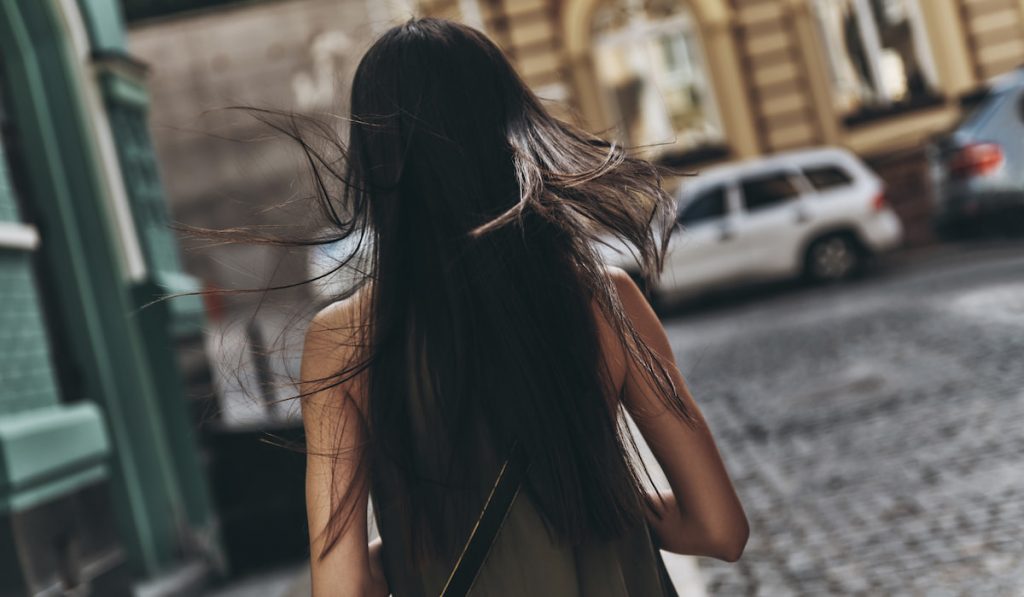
833, 258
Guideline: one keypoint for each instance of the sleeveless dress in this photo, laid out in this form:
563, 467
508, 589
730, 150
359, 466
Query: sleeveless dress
525, 561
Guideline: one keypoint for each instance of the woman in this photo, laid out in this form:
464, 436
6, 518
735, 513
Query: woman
485, 327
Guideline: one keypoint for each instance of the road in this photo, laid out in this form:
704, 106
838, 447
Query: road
874, 429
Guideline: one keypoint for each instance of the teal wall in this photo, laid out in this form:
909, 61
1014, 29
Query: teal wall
38, 435
26, 371
134, 412
8, 206
48, 450
164, 322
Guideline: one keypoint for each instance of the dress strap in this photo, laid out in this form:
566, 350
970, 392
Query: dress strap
485, 531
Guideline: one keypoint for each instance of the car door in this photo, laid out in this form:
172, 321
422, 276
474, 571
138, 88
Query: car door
838, 194
701, 252
770, 222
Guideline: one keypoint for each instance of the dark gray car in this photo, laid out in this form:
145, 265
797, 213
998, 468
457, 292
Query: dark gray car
978, 167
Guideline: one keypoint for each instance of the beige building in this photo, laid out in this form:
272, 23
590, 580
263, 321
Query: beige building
223, 168
698, 81
690, 82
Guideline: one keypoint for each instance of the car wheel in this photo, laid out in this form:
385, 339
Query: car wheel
833, 258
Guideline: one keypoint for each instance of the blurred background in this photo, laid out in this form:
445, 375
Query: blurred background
845, 292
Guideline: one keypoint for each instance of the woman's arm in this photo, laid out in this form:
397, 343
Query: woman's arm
351, 567
702, 514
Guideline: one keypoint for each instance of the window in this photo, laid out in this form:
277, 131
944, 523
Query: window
978, 107
766, 191
823, 178
877, 53
708, 205
649, 65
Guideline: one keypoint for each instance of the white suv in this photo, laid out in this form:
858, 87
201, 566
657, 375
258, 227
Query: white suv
819, 213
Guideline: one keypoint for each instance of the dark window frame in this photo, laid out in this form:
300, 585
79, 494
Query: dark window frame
788, 175
806, 169
872, 114
705, 195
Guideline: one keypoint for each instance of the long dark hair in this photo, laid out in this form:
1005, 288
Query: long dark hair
475, 215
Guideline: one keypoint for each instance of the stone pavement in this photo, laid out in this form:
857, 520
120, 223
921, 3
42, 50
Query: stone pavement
875, 430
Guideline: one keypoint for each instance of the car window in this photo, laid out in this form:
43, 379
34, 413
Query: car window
977, 116
767, 190
708, 205
826, 177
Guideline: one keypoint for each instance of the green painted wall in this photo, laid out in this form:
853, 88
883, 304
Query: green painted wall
48, 450
133, 421
105, 24
26, 372
79, 255
8, 205
162, 323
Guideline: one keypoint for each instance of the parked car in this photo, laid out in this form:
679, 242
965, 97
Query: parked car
819, 213
335, 268
978, 167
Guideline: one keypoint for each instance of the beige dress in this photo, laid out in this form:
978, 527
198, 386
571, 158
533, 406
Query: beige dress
524, 561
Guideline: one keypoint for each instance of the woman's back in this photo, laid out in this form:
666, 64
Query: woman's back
487, 321
526, 560
525, 557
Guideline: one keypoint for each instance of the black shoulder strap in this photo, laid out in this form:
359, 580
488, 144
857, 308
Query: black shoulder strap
492, 516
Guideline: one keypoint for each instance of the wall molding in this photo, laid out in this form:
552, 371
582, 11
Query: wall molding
18, 236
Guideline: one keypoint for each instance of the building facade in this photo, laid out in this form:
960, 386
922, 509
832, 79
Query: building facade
101, 486
223, 167
699, 81
688, 82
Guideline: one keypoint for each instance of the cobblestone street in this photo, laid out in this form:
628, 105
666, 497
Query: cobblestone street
875, 430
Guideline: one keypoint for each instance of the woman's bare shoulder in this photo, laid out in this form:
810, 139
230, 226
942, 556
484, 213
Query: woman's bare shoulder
610, 336
633, 300
335, 339
340, 320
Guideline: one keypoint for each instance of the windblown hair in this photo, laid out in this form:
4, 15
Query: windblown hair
475, 217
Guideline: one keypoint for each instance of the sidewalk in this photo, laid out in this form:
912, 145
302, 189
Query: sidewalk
289, 581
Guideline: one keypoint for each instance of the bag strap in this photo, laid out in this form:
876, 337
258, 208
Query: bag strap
485, 531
